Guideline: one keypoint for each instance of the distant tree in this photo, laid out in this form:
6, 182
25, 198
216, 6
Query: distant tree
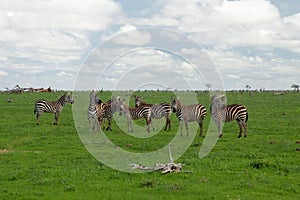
295, 87
208, 85
248, 87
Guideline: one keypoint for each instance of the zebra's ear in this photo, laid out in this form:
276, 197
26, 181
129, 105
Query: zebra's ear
178, 98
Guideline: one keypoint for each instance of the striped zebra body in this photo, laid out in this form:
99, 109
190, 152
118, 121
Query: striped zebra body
135, 113
100, 111
222, 113
157, 111
189, 113
51, 107
108, 110
92, 112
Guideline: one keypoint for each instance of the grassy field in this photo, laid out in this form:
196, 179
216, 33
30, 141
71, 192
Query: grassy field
50, 162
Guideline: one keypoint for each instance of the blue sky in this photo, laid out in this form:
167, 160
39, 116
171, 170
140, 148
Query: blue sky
47, 43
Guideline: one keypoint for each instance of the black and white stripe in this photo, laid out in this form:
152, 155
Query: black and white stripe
188, 113
157, 110
108, 110
51, 107
222, 113
135, 113
100, 110
92, 112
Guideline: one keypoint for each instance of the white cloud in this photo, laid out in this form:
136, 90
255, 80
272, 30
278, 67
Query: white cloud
37, 35
128, 35
126, 28
3, 73
63, 73
293, 19
228, 23
56, 14
59, 25
247, 12
233, 76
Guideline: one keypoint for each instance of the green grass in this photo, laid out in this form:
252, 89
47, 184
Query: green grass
50, 162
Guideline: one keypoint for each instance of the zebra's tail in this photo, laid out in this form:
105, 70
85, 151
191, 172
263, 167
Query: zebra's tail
246, 116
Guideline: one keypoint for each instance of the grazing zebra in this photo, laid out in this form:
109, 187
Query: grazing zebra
135, 113
188, 113
222, 113
107, 110
157, 111
92, 112
52, 107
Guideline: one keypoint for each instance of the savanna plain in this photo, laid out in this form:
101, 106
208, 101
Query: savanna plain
50, 161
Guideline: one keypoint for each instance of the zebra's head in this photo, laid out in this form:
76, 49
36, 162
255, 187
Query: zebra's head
175, 104
69, 98
218, 101
137, 101
94, 98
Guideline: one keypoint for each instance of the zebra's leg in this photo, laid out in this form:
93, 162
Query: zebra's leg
129, 124
186, 127
97, 122
201, 128
38, 115
180, 123
151, 124
56, 115
168, 124
241, 129
109, 119
90, 125
219, 124
200, 133
148, 122
245, 129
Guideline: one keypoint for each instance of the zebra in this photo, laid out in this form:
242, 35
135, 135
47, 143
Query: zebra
157, 111
92, 111
135, 113
188, 113
107, 110
100, 106
222, 113
52, 107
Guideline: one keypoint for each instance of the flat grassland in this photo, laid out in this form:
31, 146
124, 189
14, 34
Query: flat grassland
50, 162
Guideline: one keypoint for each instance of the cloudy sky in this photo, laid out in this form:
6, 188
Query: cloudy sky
53, 43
